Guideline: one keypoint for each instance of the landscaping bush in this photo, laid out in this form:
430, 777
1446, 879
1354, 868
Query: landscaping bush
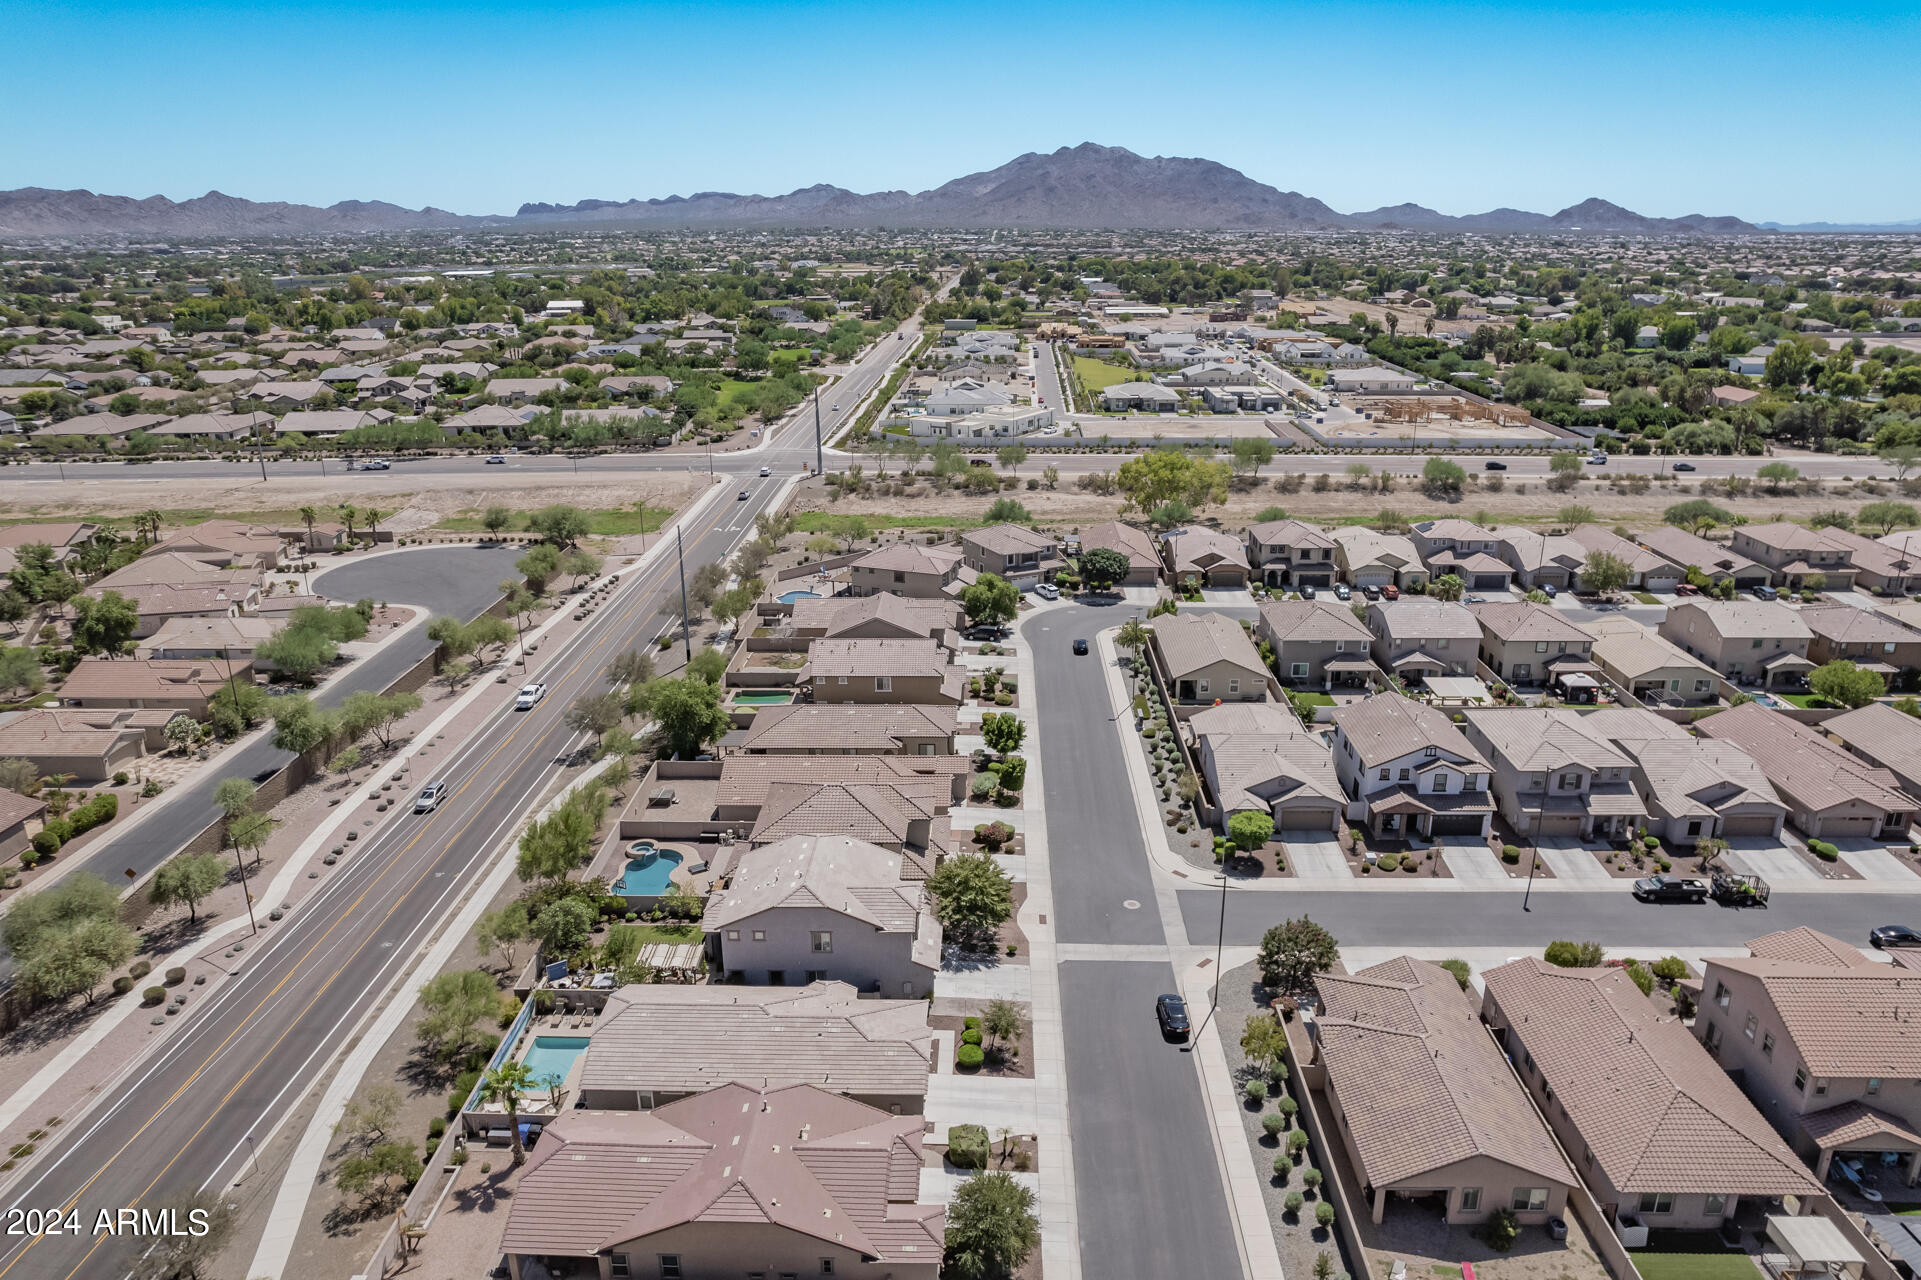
100, 809
122, 985
981, 787
1460, 971
1003, 699
1823, 850
1574, 955
969, 1057
967, 1146
120, 778
1502, 1229
1410, 863
435, 1128
140, 969
971, 1036
153, 995
1324, 1214
1390, 862
971, 1024
1297, 1140
1652, 844
1274, 1124
1310, 1177
45, 845
1288, 1107
61, 829
1283, 1167
1671, 969
1510, 854
1640, 977
176, 976
1294, 1201
1256, 1091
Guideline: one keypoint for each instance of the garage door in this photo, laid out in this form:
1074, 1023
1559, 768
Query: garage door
1848, 828
1489, 582
1559, 824
1314, 579
1750, 825
1378, 579
1457, 824
1304, 819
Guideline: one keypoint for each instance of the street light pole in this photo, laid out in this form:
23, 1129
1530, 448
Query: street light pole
1220, 945
1533, 862
686, 624
818, 467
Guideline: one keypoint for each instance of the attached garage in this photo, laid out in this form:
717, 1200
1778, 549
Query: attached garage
1840, 827
1558, 824
1458, 824
1318, 579
1488, 582
1373, 577
1301, 817
1752, 824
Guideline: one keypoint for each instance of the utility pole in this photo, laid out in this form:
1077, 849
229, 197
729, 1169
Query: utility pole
818, 468
686, 624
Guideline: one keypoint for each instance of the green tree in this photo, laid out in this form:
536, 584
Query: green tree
990, 598
497, 519
187, 878
504, 1086
1776, 474
1697, 515
14, 608
1250, 829
367, 712
1565, 463
710, 664
104, 624
973, 897
1447, 587
1003, 731
539, 566
1250, 454
1442, 478
22, 777
298, 652
636, 666
20, 672
1843, 682
66, 938
299, 726
563, 927
1264, 1041
992, 1228
377, 1174
1163, 475
1787, 366
183, 1255
505, 931
1887, 516
551, 848
1007, 511
561, 525
1170, 513
687, 711
456, 1005
1001, 1020
595, 713
1103, 567
1294, 951
1605, 572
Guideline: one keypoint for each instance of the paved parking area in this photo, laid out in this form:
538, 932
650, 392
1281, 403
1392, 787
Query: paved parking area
1141, 595
1228, 595
1874, 862
1317, 859
1570, 860
1772, 861
1468, 858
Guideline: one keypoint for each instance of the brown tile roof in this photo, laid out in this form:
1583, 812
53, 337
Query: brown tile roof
55, 534
1255, 770
1855, 1124
1290, 533
1136, 544
1813, 773
152, 677
1680, 547
1543, 740
1406, 620
16, 808
837, 614
1692, 776
1191, 641
1593, 538
1524, 620
822, 1167
1656, 1111
65, 732
1421, 1083
1631, 649
1802, 945
176, 568
908, 557
744, 780
1244, 717
857, 726
1847, 1016
1844, 624
829, 659
1744, 619
1388, 726
879, 812
1312, 620
1008, 539
673, 1038
1890, 738
820, 871
1198, 548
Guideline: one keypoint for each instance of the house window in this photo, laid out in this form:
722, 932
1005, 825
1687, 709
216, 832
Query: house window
618, 1265
760, 935
777, 977
1715, 1206
907, 990
1470, 1199
816, 975
1767, 1044
1440, 782
1297, 669
823, 940
1201, 685
733, 935
1700, 686
669, 1266
827, 1266
843, 680
1540, 646
1756, 644
1569, 782
883, 684
1657, 1202
1748, 1030
1441, 643
1721, 994
1694, 828
1530, 1199
1383, 775
1800, 1079
1429, 753
1406, 774
1233, 686
1528, 1059
1820, 1088
900, 577
1340, 646
1874, 1085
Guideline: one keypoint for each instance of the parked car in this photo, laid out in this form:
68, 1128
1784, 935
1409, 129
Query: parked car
529, 695
1549, 590
1671, 889
1492, 465
1371, 592
1684, 466
1686, 589
1171, 1012
430, 797
1047, 591
985, 631
1343, 592
1307, 592
1762, 591
1080, 647
1390, 592
1894, 935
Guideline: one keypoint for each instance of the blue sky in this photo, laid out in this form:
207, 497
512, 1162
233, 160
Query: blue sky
1761, 109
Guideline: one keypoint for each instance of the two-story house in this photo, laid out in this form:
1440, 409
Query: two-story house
1698, 789
1464, 549
1317, 643
1653, 668
1750, 642
1885, 738
1686, 1150
1822, 1040
1291, 553
1646, 570
860, 670
1408, 771
1370, 558
1529, 644
1793, 554
1717, 560
1418, 638
909, 569
1207, 657
1556, 777
1143, 557
1866, 639
1212, 558
1540, 559
1021, 556
1831, 795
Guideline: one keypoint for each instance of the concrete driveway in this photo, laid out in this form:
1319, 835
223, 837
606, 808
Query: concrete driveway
1570, 860
1874, 861
1468, 858
1317, 859
1772, 860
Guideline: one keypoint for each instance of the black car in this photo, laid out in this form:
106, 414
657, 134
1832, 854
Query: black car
1492, 465
1684, 466
1171, 1012
1307, 593
1895, 935
1080, 646
1670, 889
1371, 592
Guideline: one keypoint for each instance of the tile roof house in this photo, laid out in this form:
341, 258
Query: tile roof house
1824, 1041
1660, 1135
1255, 757
1830, 793
1317, 643
851, 728
522, 391
1149, 397
1143, 557
1527, 644
1751, 642
1019, 555
1715, 559
882, 616
1207, 657
1885, 738
1369, 558
736, 1180
16, 811
224, 544
151, 683
824, 908
1291, 553
883, 670
1555, 776
1646, 570
92, 745
1423, 1101
1216, 559
1647, 665
1862, 637
187, 638
1700, 788
1410, 769
1415, 639
661, 1042
1792, 553
1540, 559
1464, 549
910, 569
1878, 566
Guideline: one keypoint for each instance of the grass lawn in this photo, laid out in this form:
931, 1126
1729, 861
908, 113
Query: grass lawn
817, 522
615, 522
1645, 598
1807, 701
1096, 374
1314, 699
1695, 1266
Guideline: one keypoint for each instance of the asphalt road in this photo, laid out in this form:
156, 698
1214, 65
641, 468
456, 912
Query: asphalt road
248, 1045
1147, 1179
451, 580
1417, 918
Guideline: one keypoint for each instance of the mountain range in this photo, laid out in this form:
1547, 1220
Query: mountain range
1085, 187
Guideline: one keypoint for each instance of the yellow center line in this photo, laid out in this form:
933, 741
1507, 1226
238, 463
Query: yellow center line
626, 618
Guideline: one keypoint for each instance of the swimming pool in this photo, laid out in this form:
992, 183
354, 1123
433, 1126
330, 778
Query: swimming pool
788, 597
758, 698
649, 871
553, 1056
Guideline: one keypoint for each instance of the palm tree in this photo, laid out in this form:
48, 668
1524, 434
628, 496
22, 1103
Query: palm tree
1393, 325
374, 516
348, 514
1133, 636
1446, 587
309, 517
1428, 325
148, 524
504, 1084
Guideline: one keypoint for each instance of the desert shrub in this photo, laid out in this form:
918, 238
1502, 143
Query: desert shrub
1283, 1168
1460, 970
1671, 969
154, 995
1256, 1091
140, 969
176, 976
1294, 1202
1310, 1177
1297, 1140
969, 1057
1510, 854
1324, 1214
971, 1036
1502, 1229
1390, 862
967, 1146
1273, 1124
122, 985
